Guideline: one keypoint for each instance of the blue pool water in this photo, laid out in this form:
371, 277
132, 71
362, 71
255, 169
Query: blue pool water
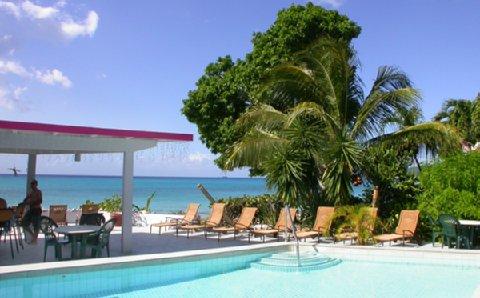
231, 276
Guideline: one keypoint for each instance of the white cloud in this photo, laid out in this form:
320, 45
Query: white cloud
37, 11
12, 67
62, 19
333, 3
198, 157
49, 77
19, 91
10, 7
52, 77
6, 37
7, 45
61, 3
11, 100
88, 27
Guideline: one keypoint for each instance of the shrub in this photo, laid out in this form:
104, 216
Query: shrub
354, 218
111, 204
387, 169
268, 207
452, 186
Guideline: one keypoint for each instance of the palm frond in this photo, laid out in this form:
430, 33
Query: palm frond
444, 137
382, 105
289, 83
314, 110
253, 149
263, 116
285, 173
344, 155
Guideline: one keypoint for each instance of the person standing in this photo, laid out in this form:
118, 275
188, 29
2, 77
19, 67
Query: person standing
34, 213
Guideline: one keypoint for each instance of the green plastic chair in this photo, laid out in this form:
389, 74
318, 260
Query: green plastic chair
436, 229
47, 227
101, 239
450, 231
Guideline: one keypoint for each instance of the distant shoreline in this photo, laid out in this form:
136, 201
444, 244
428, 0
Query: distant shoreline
119, 176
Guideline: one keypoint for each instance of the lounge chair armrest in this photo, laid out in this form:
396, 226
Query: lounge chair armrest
282, 228
242, 225
324, 228
207, 222
411, 233
194, 221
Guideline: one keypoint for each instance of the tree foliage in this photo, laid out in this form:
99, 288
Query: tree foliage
452, 186
464, 115
268, 208
387, 168
322, 139
228, 87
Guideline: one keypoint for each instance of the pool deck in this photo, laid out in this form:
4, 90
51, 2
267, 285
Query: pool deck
154, 246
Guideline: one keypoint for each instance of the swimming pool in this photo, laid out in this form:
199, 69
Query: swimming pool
230, 275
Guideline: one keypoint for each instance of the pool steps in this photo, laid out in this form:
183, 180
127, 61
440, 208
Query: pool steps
287, 262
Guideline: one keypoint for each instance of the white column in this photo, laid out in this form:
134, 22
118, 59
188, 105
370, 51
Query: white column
31, 169
127, 201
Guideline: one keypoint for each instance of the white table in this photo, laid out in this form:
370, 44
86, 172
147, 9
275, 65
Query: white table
76, 232
465, 222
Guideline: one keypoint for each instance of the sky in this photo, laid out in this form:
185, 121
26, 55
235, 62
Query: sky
124, 64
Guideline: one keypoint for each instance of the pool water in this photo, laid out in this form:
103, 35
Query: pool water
348, 279
232, 276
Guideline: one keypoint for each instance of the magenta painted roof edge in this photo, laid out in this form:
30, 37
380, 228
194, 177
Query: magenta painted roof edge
93, 131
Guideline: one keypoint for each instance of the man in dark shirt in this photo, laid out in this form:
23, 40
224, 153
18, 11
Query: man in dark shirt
34, 213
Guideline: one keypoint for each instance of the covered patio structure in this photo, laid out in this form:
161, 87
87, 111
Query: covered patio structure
33, 139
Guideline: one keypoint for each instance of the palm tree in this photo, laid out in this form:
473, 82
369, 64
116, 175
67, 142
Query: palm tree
317, 143
458, 113
357, 219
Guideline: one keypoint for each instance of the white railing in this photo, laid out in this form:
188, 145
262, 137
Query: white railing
288, 219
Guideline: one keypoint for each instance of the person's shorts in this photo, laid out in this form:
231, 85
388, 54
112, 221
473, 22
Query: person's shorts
32, 218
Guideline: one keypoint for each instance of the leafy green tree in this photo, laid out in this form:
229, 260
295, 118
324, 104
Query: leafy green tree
452, 186
228, 87
476, 118
387, 168
321, 141
464, 115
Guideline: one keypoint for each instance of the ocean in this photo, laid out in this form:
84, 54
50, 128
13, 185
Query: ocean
172, 194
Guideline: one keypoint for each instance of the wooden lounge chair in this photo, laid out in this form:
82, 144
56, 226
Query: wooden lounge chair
321, 226
243, 223
407, 224
214, 220
58, 213
189, 217
368, 225
278, 227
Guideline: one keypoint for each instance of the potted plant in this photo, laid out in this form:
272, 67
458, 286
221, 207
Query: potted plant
113, 205
146, 208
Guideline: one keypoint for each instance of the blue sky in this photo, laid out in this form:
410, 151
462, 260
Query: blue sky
124, 64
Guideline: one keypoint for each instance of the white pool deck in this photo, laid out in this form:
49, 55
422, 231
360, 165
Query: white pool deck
154, 246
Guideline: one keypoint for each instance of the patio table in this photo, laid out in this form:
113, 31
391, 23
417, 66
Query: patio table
77, 232
471, 226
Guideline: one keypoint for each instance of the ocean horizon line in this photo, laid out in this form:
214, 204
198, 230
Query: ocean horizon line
140, 176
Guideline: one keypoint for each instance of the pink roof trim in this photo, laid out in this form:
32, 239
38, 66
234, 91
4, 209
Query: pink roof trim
94, 131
